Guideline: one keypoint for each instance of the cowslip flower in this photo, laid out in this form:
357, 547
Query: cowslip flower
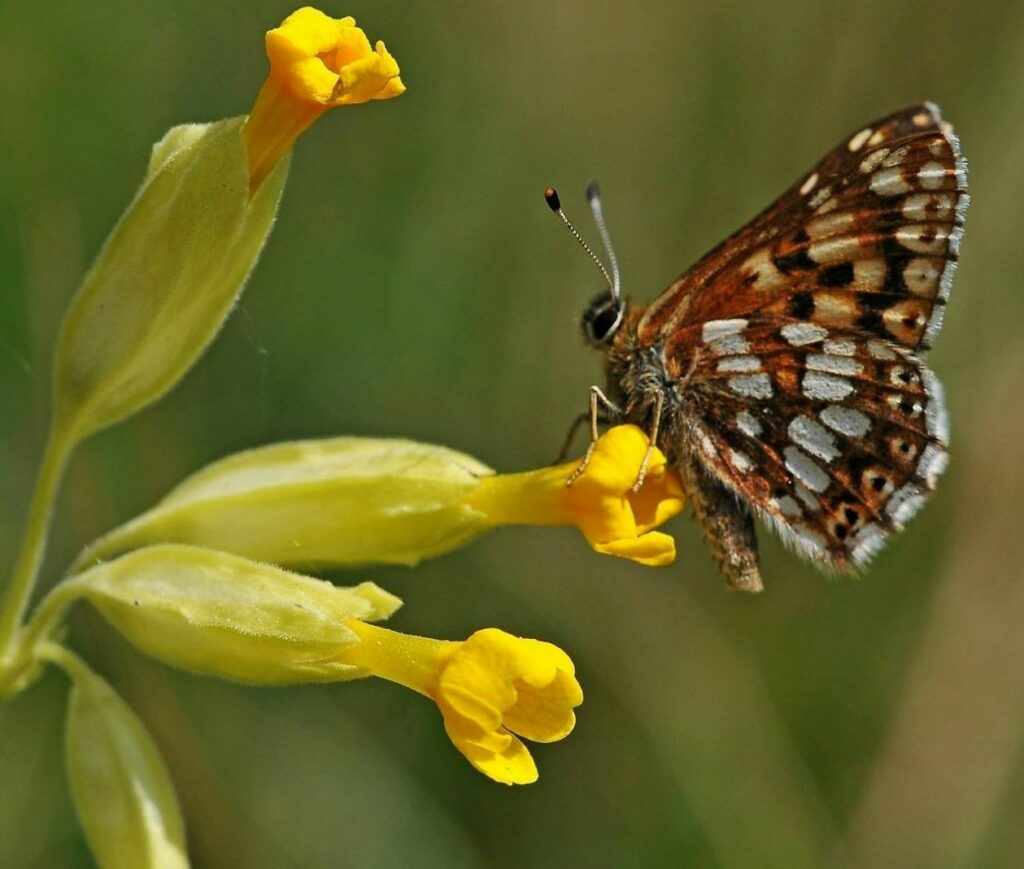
316, 64
220, 615
350, 501
491, 689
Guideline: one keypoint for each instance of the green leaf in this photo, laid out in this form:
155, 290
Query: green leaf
221, 615
166, 278
120, 786
342, 501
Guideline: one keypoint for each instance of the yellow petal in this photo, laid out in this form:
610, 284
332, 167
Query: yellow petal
316, 63
600, 501
653, 549
488, 688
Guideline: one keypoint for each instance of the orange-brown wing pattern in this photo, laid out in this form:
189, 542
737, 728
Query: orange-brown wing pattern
868, 241
834, 438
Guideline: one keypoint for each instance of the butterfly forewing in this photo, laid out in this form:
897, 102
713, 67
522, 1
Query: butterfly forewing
868, 239
794, 349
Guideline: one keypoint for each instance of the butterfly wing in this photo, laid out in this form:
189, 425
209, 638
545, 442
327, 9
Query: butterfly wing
867, 240
800, 340
835, 438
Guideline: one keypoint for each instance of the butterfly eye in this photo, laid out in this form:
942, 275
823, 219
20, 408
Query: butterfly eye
602, 319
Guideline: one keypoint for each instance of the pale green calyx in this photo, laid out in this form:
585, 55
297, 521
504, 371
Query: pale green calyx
221, 615
166, 278
341, 501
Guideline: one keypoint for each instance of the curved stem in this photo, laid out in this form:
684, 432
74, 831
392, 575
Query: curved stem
48, 614
68, 661
26, 570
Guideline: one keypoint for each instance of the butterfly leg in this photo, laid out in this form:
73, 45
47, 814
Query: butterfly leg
652, 442
596, 395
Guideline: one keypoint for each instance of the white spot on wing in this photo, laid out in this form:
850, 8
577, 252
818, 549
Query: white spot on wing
931, 175
810, 501
897, 157
871, 162
808, 185
857, 142
740, 460
927, 206
839, 347
752, 385
818, 199
923, 238
729, 345
801, 466
921, 276
814, 438
724, 337
847, 421
881, 350
788, 506
835, 250
831, 224
826, 387
889, 182
799, 334
749, 424
843, 365
714, 329
739, 363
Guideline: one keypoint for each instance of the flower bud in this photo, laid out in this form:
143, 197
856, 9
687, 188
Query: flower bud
120, 787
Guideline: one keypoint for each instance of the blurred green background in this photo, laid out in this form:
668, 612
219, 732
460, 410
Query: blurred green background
416, 286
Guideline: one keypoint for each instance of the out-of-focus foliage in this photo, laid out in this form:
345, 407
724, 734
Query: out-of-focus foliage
416, 286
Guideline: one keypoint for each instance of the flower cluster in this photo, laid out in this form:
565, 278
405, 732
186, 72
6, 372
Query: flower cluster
207, 580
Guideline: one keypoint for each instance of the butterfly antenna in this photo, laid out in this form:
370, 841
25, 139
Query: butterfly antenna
594, 198
555, 204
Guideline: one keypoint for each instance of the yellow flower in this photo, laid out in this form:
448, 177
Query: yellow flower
601, 502
489, 688
316, 63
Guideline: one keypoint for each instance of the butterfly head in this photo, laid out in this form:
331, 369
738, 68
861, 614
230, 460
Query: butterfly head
602, 318
606, 311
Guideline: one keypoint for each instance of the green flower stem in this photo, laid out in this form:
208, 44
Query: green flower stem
33, 547
48, 616
64, 658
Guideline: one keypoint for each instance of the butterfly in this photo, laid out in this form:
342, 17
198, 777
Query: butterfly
783, 374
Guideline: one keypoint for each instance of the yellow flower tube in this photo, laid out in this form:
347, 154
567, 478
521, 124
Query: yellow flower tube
491, 689
316, 64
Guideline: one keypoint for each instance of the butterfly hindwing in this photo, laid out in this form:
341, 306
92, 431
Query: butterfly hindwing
833, 437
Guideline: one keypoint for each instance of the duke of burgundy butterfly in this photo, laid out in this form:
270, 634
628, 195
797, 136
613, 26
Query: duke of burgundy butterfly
783, 375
